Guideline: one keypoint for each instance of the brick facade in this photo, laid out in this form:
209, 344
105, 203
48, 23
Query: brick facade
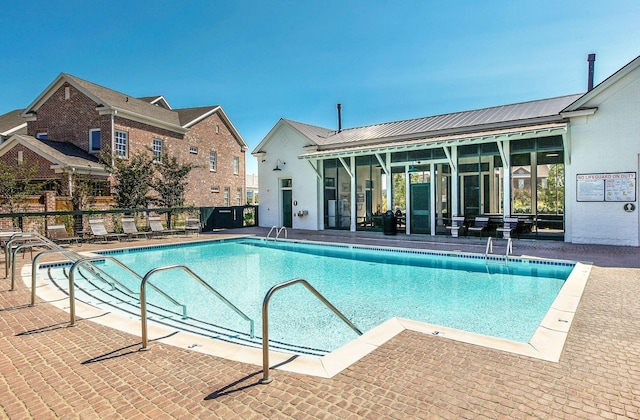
68, 115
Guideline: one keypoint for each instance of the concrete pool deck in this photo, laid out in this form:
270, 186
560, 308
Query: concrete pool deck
49, 370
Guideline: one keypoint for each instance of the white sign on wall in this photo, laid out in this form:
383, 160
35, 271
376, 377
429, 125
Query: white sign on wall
620, 186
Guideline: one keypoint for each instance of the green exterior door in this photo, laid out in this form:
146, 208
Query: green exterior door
287, 209
420, 208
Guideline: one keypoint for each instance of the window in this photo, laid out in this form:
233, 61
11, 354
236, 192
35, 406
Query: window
239, 196
193, 149
157, 150
227, 192
42, 135
94, 140
215, 189
122, 140
236, 165
213, 159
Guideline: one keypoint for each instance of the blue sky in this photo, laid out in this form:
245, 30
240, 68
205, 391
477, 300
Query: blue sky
266, 60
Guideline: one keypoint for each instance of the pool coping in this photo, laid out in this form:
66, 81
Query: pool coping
547, 343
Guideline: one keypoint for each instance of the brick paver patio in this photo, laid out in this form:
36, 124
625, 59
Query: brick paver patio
50, 370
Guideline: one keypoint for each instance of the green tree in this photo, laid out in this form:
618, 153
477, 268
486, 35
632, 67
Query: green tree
170, 182
132, 179
551, 197
16, 183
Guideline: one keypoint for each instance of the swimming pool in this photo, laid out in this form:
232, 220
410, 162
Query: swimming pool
369, 286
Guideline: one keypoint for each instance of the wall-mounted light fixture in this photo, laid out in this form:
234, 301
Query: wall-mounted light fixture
278, 163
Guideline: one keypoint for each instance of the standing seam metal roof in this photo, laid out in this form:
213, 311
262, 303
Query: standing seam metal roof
505, 115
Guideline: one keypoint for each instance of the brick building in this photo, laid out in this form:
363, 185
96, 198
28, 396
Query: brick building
72, 121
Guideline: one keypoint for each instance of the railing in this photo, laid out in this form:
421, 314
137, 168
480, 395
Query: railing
24, 238
278, 232
143, 299
20, 241
72, 305
265, 320
489, 249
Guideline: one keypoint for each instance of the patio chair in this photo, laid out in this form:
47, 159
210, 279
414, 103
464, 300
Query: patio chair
158, 229
480, 224
457, 224
192, 224
98, 231
130, 229
508, 227
59, 235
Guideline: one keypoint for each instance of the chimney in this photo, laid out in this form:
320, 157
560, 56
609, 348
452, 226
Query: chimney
591, 58
339, 118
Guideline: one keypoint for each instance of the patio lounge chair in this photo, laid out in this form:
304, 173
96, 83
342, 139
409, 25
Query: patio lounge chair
192, 224
480, 224
98, 231
131, 230
59, 234
457, 224
158, 229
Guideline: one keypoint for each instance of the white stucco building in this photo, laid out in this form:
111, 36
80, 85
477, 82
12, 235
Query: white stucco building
566, 167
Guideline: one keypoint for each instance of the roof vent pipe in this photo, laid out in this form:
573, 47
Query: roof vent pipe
339, 118
591, 58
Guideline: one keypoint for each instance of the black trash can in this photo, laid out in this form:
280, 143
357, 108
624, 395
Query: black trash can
389, 226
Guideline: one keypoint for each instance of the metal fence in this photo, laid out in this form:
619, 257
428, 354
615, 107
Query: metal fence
77, 222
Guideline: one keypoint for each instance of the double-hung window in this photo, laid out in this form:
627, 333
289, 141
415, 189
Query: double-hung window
122, 144
94, 140
227, 193
236, 165
239, 196
213, 161
157, 150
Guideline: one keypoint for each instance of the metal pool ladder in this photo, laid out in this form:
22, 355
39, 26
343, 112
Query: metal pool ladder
278, 232
489, 250
265, 320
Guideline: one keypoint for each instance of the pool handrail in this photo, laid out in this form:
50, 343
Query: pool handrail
72, 306
143, 299
14, 251
489, 249
34, 265
278, 232
25, 237
265, 320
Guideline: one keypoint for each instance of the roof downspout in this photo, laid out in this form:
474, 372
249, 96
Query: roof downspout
113, 137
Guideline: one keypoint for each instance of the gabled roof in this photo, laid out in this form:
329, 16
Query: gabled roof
63, 155
157, 101
12, 123
152, 110
519, 114
453, 125
192, 116
580, 102
111, 101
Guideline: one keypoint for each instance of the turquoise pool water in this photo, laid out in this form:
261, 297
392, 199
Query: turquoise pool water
368, 285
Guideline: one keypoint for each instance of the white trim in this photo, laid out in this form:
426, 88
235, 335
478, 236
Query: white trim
579, 113
13, 130
103, 110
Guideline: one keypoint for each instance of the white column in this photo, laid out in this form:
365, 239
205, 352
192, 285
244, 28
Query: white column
455, 199
352, 165
432, 204
506, 178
